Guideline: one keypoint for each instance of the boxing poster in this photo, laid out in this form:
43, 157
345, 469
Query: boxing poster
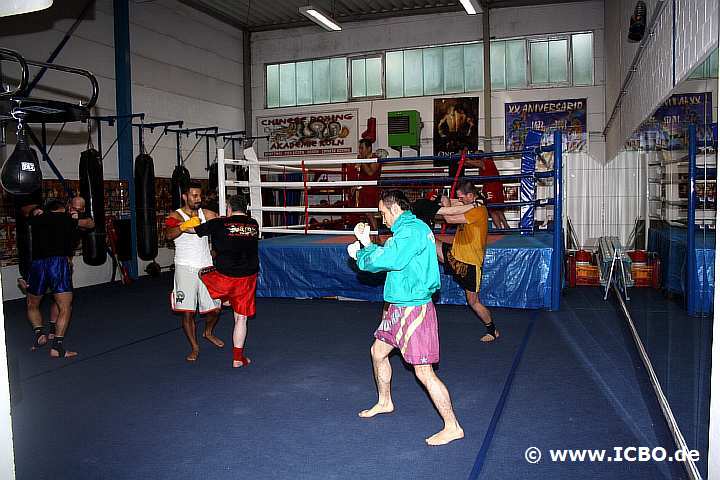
306, 134
456, 126
667, 128
570, 116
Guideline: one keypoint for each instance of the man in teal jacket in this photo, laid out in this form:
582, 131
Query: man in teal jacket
410, 322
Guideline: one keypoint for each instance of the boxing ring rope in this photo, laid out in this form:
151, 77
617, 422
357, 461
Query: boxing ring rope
528, 178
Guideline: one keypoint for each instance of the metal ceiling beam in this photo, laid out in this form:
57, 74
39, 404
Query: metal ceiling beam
215, 13
301, 22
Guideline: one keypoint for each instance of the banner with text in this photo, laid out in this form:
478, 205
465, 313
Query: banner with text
570, 116
299, 135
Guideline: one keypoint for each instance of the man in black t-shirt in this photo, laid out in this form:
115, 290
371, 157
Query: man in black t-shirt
53, 241
234, 273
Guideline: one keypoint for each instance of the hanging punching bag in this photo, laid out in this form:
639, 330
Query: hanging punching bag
638, 21
213, 178
23, 233
21, 174
178, 183
147, 237
92, 189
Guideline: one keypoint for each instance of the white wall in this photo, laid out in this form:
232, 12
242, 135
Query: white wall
312, 42
185, 66
682, 38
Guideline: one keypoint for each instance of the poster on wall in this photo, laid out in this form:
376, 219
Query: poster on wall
667, 128
305, 134
456, 126
570, 116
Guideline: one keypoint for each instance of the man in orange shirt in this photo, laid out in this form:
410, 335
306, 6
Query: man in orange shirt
463, 259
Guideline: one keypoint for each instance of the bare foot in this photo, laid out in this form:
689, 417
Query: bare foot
241, 363
40, 342
377, 409
446, 435
214, 340
487, 338
192, 356
56, 354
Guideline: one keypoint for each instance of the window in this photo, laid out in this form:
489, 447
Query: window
366, 77
582, 58
549, 62
497, 65
394, 75
272, 81
432, 71
517, 63
413, 66
306, 83
473, 66
453, 66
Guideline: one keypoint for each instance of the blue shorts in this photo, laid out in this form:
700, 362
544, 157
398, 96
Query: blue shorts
52, 273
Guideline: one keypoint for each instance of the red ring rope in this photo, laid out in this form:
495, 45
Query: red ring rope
457, 176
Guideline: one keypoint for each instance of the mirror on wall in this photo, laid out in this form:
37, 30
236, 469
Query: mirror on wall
673, 248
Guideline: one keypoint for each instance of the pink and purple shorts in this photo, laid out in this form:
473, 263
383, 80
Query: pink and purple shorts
413, 330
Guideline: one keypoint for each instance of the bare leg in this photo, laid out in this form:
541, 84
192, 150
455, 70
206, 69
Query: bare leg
481, 311
441, 399
188, 325
64, 306
54, 314
239, 334
498, 218
35, 318
439, 251
211, 319
383, 375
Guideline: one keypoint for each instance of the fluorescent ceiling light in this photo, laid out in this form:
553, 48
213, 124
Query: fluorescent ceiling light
16, 7
472, 7
320, 17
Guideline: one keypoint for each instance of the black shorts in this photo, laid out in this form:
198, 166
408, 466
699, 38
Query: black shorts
465, 274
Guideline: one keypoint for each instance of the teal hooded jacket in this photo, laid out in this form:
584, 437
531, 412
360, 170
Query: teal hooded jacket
409, 258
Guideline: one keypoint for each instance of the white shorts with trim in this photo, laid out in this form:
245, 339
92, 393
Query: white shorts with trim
190, 293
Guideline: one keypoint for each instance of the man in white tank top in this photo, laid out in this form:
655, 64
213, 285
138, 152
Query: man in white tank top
192, 253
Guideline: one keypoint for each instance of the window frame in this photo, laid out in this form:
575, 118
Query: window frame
568, 60
365, 56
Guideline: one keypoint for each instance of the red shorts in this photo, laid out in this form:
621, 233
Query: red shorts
495, 192
239, 291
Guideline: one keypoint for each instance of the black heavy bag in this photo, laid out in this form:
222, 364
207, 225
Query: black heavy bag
178, 183
23, 232
21, 174
147, 237
213, 178
638, 22
92, 189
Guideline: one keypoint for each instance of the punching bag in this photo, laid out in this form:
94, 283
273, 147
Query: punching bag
23, 232
21, 174
213, 178
147, 237
638, 22
178, 183
92, 189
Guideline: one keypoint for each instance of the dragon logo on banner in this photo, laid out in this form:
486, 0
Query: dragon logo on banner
330, 133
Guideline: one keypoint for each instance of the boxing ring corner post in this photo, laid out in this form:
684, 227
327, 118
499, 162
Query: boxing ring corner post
558, 254
691, 269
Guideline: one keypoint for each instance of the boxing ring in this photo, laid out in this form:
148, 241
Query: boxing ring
523, 266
